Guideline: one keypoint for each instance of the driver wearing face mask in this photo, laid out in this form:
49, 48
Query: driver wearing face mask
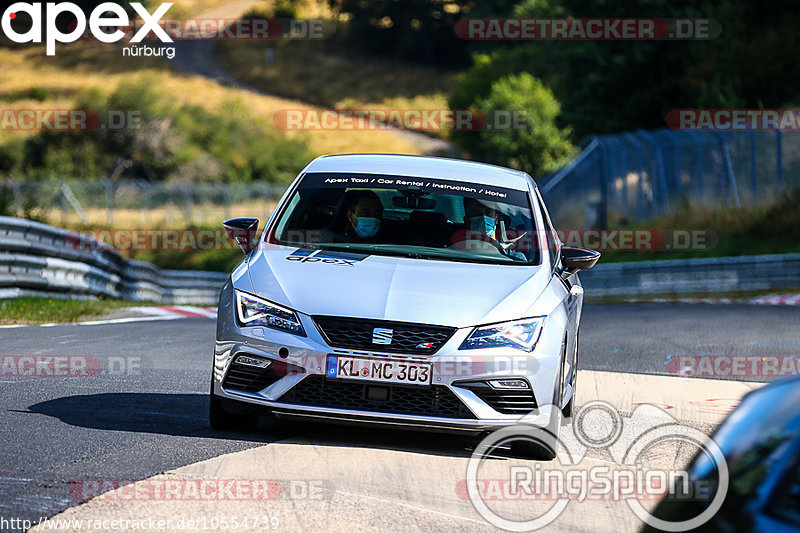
363, 216
481, 218
482, 226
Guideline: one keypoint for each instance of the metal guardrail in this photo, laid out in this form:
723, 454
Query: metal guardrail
694, 276
37, 259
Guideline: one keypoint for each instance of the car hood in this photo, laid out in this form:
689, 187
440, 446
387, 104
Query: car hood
390, 288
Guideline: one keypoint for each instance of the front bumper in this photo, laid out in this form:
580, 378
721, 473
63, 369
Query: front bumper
301, 364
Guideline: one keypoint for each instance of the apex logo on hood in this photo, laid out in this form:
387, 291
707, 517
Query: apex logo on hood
308, 255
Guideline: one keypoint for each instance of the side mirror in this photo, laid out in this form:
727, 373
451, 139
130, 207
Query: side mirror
243, 231
574, 259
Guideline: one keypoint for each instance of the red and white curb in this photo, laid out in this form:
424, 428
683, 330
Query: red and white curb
178, 311
777, 299
770, 299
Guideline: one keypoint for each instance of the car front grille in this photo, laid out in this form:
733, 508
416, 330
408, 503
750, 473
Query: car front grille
506, 401
435, 401
406, 338
247, 378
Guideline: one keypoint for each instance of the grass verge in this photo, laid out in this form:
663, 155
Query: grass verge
770, 229
54, 311
739, 297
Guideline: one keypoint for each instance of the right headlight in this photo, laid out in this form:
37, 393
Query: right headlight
521, 334
253, 311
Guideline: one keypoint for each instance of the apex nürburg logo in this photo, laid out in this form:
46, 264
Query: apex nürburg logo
101, 24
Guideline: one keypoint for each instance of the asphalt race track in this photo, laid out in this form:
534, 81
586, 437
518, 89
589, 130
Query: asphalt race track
145, 410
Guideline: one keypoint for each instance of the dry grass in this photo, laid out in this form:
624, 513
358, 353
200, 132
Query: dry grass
327, 75
91, 65
173, 217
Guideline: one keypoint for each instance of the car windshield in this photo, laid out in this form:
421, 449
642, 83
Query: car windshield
418, 218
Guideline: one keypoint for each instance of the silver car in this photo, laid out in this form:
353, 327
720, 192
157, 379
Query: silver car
401, 291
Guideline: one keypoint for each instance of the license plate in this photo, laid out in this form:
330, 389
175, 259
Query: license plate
378, 369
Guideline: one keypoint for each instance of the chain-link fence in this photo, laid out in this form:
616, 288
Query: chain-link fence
134, 204
643, 174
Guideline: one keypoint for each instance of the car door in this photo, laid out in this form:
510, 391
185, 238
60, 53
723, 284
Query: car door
572, 299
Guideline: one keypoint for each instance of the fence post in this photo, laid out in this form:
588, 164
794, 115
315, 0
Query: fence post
729, 174
109, 202
660, 178
640, 168
677, 186
602, 215
148, 202
62, 200
226, 193
779, 160
753, 182
187, 199
16, 192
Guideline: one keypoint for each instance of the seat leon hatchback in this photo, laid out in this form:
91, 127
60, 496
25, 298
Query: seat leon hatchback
401, 291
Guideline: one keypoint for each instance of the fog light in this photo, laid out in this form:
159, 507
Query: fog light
509, 384
252, 361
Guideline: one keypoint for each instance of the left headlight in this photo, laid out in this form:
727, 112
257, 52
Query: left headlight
520, 334
253, 311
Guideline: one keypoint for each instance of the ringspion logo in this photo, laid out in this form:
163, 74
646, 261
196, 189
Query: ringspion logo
101, 26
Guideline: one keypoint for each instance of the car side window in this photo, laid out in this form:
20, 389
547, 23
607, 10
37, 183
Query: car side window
552, 247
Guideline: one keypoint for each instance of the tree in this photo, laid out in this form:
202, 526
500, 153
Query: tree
539, 145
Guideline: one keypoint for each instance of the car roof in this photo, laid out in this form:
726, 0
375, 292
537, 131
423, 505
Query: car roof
422, 167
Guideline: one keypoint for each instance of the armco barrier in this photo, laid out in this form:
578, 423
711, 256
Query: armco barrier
693, 276
37, 259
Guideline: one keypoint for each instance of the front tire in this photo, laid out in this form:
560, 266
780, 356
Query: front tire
535, 449
221, 419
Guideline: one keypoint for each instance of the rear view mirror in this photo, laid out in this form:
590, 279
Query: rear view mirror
243, 231
411, 202
574, 259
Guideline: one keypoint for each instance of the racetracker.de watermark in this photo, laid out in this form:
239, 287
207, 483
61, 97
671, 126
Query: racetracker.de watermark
69, 119
226, 29
637, 240
586, 29
199, 489
734, 119
404, 119
68, 366
733, 366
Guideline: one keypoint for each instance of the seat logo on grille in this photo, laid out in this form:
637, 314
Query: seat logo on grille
381, 336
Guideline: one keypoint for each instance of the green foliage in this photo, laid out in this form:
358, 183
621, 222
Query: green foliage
285, 9
413, 30
162, 141
613, 86
538, 145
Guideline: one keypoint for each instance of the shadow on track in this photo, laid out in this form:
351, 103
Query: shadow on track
187, 415
184, 415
